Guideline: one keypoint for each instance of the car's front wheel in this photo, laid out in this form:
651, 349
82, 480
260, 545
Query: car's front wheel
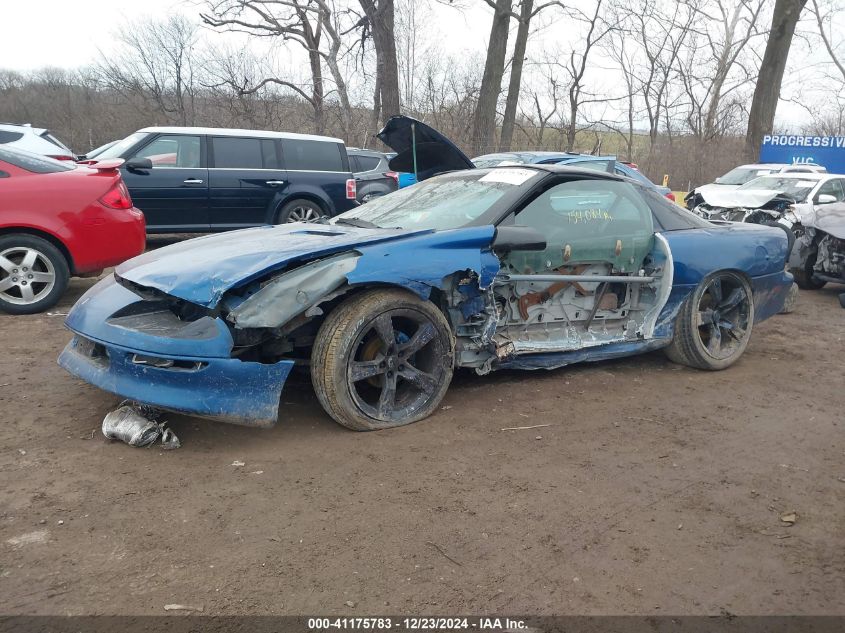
714, 324
33, 274
804, 274
384, 358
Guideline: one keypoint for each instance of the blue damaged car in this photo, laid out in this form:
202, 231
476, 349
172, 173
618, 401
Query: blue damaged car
527, 267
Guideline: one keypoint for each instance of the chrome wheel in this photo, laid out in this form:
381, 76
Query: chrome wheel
26, 275
723, 317
303, 213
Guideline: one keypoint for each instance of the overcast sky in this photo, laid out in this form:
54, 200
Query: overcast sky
71, 33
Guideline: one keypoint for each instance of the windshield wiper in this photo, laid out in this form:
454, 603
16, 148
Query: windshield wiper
361, 224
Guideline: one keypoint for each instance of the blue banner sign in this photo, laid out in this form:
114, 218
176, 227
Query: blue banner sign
828, 151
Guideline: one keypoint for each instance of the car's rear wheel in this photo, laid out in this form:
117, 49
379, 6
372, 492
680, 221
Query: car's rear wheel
300, 210
33, 274
382, 359
714, 324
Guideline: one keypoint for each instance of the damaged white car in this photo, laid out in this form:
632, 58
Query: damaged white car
738, 176
767, 199
818, 256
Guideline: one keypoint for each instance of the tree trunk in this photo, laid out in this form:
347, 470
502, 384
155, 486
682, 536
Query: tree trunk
317, 92
484, 124
761, 118
382, 23
515, 82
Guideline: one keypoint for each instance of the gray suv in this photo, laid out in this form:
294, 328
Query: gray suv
372, 174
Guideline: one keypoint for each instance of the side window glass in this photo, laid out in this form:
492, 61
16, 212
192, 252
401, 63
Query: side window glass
269, 154
587, 221
832, 188
308, 155
9, 137
367, 163
238, 153
172, 151
354, 164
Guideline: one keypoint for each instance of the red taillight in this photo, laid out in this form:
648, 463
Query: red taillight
351, 189
671, 196
117, 197
392, 174
56, 157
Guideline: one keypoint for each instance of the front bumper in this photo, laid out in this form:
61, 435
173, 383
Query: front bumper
183, 369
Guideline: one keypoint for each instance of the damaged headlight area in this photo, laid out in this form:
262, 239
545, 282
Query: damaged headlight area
280, 299
766, 213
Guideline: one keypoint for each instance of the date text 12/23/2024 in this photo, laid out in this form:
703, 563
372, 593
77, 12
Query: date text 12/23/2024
416, 624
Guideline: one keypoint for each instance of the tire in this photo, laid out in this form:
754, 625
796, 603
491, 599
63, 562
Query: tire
355, 338
714, 323
36, 286
804, 275
300, 210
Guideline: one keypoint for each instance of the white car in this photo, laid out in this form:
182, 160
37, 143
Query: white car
35, 140
768, 198
740, 175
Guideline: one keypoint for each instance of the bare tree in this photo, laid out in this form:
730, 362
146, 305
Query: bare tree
382, 26
157, 64
309, 23
657, 31
526, 9
761, 117
484, 122
575, 67
824, 19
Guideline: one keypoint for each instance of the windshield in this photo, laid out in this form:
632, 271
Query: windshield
742, 175
494, 160
449, 201
117, 150
796, 188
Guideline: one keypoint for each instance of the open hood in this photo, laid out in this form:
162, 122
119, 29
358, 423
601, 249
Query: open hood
714, 187
435, 153
202, 270
747, 198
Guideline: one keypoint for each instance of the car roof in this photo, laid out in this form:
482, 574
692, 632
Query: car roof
779, 166
812, 175
25, 126
357, 151
224, 131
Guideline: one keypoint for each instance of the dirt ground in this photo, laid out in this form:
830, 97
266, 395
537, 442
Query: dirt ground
654, 489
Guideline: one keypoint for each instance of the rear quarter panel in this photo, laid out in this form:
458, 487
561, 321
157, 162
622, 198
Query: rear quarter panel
64, 205
757, 251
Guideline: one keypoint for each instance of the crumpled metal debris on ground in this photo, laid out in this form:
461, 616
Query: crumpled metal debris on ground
138, 425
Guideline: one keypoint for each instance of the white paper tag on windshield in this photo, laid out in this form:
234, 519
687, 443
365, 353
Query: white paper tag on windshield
509, 176
806, 183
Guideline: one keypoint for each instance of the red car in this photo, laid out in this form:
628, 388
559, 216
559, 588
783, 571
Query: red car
58, 219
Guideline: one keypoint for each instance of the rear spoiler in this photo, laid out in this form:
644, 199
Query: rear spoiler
109, 164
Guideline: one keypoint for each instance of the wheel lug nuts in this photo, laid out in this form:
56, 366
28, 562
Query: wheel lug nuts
29, 276
23, 282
